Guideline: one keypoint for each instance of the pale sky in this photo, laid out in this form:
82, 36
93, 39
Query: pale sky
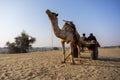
100, 17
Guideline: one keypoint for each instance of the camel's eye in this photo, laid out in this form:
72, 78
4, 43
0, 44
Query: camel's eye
55, 14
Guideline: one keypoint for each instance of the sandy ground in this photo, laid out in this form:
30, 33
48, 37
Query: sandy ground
47, 66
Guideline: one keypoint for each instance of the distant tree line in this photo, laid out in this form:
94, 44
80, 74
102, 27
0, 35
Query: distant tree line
22, 44
55, 48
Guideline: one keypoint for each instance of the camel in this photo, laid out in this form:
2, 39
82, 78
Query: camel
67, 34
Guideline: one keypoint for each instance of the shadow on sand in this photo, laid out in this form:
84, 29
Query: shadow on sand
101, 62
110, 59
104, 59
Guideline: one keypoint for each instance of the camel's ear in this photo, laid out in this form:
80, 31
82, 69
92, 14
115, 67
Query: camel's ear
57, 14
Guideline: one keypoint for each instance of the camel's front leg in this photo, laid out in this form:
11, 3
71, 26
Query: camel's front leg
63, 50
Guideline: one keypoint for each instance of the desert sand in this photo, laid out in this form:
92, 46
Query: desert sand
47, 66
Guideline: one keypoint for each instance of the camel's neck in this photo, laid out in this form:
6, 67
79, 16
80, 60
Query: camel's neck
57, 31
55, 26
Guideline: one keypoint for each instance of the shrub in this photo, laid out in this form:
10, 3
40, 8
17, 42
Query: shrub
22, 44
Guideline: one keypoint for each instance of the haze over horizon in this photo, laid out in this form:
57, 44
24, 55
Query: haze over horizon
100, 17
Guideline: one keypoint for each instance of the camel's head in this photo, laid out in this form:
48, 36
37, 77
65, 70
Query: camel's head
51, 15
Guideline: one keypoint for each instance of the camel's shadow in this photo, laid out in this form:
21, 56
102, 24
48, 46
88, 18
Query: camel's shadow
109, 59
100, 62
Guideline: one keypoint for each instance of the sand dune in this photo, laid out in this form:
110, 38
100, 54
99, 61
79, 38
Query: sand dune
47, 66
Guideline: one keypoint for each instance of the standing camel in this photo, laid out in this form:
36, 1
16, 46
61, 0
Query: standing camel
67, 34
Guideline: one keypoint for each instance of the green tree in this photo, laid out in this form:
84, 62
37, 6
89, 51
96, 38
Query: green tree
11, 47
22, 43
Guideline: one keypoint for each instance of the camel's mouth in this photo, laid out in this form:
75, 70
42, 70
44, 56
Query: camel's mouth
52, 13
48, 11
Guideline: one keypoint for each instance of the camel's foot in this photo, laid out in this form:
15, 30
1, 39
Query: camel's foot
63, 62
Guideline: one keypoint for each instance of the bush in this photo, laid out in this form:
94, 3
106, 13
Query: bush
22, 44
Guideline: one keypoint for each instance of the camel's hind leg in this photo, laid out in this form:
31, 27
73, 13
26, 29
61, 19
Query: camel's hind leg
63, 50
72, 52
79, 54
